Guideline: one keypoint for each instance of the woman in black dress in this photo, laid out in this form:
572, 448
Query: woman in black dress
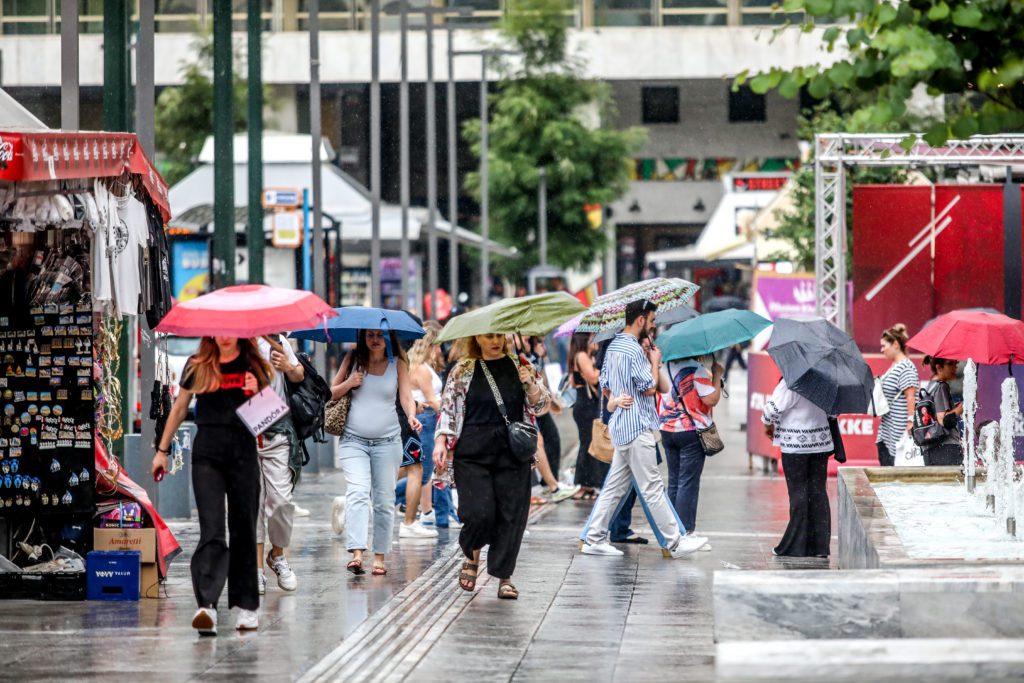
590, 472
493, 484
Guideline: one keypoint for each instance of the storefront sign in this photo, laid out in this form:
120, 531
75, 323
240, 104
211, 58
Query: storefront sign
781, 295
282, 198
287, 229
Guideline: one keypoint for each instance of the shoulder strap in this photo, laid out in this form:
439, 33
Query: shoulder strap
494, 389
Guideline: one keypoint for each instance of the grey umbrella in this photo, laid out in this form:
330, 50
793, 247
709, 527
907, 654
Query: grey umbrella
722, 303
821, 363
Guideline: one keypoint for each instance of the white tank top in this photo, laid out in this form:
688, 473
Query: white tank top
373, 414
435, 384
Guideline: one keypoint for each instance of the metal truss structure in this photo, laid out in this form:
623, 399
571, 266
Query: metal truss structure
834, 153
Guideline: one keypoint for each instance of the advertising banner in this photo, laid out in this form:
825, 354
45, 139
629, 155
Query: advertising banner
781, 295
190, 269
859, 431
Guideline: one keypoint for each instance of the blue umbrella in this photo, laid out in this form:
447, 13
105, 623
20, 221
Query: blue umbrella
350, 319
710, 332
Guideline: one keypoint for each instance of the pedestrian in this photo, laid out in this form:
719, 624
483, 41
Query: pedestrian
899, 384
280, 457
689, 393
221, 375
948, 451
590, 472
375, 372
630, 374
800, 429
473, 434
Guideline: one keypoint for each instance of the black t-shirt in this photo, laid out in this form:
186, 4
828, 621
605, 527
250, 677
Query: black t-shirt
481, 408
218, 407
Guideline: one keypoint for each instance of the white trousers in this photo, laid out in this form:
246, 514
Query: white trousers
276, 507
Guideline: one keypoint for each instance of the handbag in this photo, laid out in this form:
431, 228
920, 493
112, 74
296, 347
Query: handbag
879, 403
262, 410
601, 447
522, 436
336, 410
567, 393
709, 438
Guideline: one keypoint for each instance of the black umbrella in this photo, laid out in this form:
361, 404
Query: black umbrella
671, 317
823, 364
723, 303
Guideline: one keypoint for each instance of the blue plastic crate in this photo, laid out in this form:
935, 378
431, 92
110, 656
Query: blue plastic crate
113, 574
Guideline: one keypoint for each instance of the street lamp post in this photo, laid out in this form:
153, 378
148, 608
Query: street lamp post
453, 172
542, 215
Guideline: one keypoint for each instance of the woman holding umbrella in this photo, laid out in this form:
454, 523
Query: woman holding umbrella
371, 446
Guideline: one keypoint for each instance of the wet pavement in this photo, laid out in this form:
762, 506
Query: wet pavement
633, 618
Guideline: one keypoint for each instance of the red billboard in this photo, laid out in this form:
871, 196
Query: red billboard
920, 251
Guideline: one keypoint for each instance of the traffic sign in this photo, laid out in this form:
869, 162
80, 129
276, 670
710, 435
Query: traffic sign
282, 198
287, 229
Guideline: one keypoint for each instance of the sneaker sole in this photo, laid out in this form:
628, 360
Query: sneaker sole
247, 628
600, 554
204, 624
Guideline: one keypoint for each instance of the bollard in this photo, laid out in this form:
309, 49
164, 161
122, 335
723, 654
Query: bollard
990, 502
1011, 526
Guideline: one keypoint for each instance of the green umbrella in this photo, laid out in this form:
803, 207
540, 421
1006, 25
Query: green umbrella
710, 332
526, 315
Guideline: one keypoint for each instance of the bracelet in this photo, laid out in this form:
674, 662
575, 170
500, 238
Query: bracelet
165, 451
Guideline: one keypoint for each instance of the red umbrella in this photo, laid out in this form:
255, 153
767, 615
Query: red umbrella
988, 338
246, 311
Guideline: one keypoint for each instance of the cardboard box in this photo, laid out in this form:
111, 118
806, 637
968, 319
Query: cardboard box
149, 585
143, 540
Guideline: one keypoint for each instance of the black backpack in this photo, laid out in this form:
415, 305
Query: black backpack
307, 399
927, 429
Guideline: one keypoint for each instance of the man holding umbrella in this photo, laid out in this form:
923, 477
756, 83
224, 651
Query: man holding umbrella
631, 375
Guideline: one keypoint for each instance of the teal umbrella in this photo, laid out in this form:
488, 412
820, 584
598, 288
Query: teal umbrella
709, 333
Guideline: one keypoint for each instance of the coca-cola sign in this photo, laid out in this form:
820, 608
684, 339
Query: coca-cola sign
6, 153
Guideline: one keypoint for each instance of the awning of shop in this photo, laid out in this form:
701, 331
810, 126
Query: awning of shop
14, 115
42, 155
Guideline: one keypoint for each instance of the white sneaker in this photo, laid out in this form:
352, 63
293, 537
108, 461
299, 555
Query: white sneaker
261, 580
706, 548
285, 576
205, 621
416, 530
688, 544
564, 492
299, 511
338, 515
428, 518
248, 620
601, 549
454, 523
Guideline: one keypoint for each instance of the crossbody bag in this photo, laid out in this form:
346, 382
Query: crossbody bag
709, 438
522, 436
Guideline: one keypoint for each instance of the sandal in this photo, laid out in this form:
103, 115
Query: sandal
467, 581
537, 500
356, 567
580, 495
506, 591
379, 569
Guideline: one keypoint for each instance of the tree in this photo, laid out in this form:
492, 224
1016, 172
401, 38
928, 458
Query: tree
967, 49
184, 113
538, 121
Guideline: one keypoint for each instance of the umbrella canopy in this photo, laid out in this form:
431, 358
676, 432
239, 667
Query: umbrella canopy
529, 315
568, 328
822, 363
609, 310
723, 303
672, 317
350, 319
990, 338
710, 332
246, 311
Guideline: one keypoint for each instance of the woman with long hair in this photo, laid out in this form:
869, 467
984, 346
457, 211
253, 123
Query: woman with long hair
899, 384
493, 482
590, 472
371, 446
221, 375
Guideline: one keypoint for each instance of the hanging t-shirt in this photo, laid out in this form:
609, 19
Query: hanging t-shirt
218, 407
129, 232
690, 381
102, 289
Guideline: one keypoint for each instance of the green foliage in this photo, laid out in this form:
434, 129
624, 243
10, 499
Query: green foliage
538, 120
184, 113
967, 49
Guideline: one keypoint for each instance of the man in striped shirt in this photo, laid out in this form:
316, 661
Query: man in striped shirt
630, 375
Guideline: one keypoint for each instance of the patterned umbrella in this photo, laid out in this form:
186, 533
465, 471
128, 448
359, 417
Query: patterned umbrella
609, 310
567, 329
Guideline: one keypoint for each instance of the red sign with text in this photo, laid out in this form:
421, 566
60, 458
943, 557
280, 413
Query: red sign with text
859, 431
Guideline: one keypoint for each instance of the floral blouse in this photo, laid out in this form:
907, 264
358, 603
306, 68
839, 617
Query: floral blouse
453, 400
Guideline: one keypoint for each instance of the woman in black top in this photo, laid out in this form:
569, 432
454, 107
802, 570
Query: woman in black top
221, 375
948, 451
590, 472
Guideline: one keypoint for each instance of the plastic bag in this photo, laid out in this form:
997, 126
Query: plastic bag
908, 453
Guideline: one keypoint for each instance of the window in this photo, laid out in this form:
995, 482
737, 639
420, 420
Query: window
745, 106
660, 104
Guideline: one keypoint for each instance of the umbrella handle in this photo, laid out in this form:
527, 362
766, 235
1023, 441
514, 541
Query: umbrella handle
327, 332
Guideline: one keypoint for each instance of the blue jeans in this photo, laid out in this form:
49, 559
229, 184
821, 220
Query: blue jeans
685, 464
370, 467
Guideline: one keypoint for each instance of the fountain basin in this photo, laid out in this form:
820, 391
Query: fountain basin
893, 517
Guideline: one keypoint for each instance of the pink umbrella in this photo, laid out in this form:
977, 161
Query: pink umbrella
246, 311
567, 329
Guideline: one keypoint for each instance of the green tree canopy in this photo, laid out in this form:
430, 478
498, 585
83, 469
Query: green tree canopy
539, 121
969, 49
184, 113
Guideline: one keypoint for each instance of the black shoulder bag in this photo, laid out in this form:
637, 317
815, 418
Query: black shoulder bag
522, 436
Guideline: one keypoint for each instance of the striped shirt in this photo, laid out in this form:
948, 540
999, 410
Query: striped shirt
626, 370
900, 377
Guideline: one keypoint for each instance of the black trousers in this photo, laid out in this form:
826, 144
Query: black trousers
552, 441
494, 498
810, 519
590, 471
225, 468
885, 458
949, 454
